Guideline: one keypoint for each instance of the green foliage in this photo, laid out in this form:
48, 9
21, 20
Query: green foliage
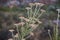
6, 9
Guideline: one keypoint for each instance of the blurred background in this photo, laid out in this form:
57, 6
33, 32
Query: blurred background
11, 10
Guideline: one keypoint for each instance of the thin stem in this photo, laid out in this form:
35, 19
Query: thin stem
28, 13
18, 32
54, 32
22, 33
35, 11
50, 35
22, 30
57, 27
40, 15
31, 12
13, 36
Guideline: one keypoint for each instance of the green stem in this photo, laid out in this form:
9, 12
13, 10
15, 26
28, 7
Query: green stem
28, 13
31, 11
13, 36
22, 30
50, 35
35, 11
57, 27
40, 15
18, 32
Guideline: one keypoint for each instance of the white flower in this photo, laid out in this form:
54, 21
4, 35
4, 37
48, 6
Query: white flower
42, 10
10, 39
31, 33
33, 26
16, 35
22, 23
41, 4
21, 17
58, 10
28, 8
27, 20
38, 21
48, 30
17, 24
23, 39
11, 30
37, 3
31, 4
11, 6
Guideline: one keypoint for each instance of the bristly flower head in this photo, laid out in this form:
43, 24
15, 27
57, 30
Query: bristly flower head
27, 20
19, 24
58, 10
28, 8
11, 6
23, 39
11, 30
16, 35
10, 39
21, 17
48, 30
31, 33
33, 26
22, 23
40, 4
31, 4
42, 10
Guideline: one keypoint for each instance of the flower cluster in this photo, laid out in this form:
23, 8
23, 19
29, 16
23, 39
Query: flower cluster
10, 39
58, 10
28, 8
42, 10
31, 4
21, 23
38, 4
23, 18
16, 36
33, 26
